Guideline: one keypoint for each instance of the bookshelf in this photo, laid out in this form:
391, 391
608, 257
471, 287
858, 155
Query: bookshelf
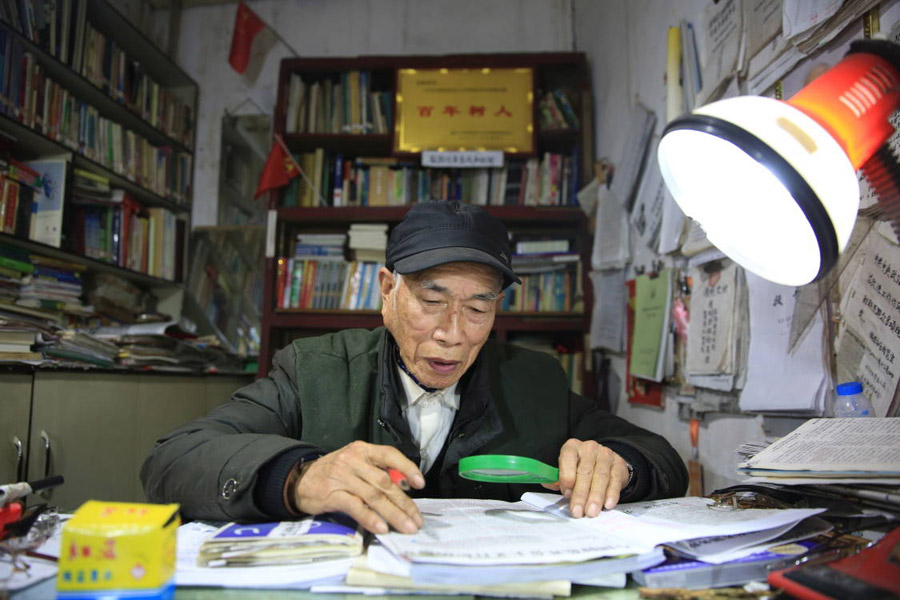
351, 164
83, 85
96, 147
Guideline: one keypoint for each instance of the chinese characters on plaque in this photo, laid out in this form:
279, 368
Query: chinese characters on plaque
465, 109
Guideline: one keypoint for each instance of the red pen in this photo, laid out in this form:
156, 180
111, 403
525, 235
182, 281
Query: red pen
398, 478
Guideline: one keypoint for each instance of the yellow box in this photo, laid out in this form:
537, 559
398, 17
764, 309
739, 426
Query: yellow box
119, 549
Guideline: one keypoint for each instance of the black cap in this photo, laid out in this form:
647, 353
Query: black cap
440, 232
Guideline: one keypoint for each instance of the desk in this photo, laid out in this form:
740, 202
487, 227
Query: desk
47, 590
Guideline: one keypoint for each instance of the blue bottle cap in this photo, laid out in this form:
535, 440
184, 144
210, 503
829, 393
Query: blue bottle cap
851, 387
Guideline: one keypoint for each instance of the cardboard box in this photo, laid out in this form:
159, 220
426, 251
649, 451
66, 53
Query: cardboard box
119, 549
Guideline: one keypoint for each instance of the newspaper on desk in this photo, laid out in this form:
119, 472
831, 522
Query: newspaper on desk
832, 448
536, 538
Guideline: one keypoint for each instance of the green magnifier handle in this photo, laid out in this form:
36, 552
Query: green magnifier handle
502, 468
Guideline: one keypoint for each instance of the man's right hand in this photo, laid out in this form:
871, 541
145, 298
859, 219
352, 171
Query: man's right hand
354, 480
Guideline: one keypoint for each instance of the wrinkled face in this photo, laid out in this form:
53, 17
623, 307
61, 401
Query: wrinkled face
440, 317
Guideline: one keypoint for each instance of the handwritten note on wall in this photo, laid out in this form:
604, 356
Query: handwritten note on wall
711, 330
869, 342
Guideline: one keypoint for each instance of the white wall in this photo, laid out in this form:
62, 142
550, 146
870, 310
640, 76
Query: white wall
625, 41
343, 28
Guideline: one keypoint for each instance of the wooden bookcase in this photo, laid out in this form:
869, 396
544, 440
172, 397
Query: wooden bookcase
88, 73
564, 327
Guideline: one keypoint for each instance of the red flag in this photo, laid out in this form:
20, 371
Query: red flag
246, 26
279, 170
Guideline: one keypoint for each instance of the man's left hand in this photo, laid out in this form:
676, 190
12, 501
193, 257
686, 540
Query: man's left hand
591, 476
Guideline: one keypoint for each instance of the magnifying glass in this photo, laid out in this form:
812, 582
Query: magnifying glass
503, 468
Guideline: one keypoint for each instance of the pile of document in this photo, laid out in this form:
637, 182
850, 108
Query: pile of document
855, 460
247, 545
531, 548
291, 554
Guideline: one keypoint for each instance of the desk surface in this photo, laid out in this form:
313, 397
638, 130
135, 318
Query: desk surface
47, 589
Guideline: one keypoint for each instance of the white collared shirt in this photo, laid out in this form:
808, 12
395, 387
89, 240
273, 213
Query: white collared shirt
430, 415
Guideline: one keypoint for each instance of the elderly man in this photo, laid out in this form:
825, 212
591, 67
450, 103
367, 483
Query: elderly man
417, 395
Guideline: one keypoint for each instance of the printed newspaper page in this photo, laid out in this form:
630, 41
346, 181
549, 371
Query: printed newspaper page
491, 532
850, 445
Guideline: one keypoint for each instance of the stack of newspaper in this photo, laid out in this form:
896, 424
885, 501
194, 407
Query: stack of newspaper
534, 548
851, 459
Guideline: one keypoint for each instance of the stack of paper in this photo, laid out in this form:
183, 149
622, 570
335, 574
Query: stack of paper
532, 548
832, 448
853, 460
320, 538
289, 555
484, 543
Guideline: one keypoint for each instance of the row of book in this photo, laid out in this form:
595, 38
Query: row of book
335, 180
552, 291
17, 188
344, 103
327, 283
108, 67
30, 97
556, 112
56, 26
331, 283
63, 30
119, 230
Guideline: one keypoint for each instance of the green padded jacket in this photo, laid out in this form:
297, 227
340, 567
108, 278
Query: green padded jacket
325, 392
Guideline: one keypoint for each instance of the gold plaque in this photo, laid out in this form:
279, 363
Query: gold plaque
465, 109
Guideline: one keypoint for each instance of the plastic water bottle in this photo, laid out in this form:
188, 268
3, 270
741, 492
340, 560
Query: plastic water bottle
850, 401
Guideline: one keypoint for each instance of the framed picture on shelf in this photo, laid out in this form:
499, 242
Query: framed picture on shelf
465, 109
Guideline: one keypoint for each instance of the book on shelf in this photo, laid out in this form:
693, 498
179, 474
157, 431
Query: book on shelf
64, 30
17, 199
335, 179
338, 103
556, 112
47, 211
327, 283
34, 99
542, 246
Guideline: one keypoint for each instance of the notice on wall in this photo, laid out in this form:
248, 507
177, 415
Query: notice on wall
868, 347
721, 30
711, 331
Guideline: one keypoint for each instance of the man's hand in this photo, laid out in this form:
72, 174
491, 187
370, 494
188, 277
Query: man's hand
354, 480
591, 476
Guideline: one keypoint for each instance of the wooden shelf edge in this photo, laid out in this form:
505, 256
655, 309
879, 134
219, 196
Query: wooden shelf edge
90, 263
326, 214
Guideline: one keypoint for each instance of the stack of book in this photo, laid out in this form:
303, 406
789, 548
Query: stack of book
75, 347
551, 278
56, 288
368, 241
16, 343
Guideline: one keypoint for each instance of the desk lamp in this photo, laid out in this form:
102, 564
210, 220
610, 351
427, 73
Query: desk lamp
773, 183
